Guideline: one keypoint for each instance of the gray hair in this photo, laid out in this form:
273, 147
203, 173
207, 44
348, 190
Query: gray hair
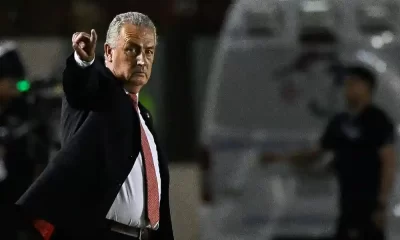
135, 18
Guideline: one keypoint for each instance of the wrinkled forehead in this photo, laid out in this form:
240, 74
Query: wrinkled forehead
139, 35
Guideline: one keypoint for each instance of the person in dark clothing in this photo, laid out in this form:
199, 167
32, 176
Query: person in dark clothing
23, 137
362, 140
110, 179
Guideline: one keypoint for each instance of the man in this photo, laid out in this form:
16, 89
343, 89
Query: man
362, 141
23, 136
109, 180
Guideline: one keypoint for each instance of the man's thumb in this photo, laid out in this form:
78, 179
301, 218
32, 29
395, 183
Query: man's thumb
93, 36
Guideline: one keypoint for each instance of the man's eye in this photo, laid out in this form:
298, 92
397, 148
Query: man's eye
149, 52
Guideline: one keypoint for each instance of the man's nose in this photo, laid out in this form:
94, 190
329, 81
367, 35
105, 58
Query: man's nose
139, 59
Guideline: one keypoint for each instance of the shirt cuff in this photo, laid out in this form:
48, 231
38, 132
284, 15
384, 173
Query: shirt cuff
81, 63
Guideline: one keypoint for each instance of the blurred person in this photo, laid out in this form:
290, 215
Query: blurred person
362, 140
109, 180
23, 148
82, 17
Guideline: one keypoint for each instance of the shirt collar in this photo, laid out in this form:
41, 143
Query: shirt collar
137, 94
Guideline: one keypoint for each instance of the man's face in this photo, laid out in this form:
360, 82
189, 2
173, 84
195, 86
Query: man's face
356, 90
132, 58
8, 89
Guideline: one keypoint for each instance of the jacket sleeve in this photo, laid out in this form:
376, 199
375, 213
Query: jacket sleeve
85, 87
165, 232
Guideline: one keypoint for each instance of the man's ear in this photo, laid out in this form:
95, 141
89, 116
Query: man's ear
108, 52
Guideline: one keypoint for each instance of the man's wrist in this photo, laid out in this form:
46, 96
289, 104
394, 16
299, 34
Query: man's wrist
82, 63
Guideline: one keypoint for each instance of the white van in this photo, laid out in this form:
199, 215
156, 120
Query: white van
272, 88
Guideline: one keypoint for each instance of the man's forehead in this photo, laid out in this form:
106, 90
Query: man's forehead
352, 77
145, 35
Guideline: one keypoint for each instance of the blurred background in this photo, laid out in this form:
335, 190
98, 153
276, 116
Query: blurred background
232, 78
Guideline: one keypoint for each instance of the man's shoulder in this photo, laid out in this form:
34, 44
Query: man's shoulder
379, 115
377, 110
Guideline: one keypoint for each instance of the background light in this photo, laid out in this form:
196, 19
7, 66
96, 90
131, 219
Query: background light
23, 85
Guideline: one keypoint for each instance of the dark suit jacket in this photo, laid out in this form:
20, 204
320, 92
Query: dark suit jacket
100, 143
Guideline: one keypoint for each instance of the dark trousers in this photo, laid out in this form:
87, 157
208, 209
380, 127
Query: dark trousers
356, 217
364, 231
357, 224
118, 236
103, 234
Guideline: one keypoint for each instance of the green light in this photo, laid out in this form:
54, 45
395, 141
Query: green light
23, 85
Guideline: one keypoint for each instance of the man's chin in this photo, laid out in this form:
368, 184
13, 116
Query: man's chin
138, 81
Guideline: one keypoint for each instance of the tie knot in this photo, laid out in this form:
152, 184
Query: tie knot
134, 99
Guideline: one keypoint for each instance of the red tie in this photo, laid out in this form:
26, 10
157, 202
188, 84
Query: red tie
153, 202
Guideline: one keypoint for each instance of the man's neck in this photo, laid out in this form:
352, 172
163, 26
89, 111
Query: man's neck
131, 88
356, 109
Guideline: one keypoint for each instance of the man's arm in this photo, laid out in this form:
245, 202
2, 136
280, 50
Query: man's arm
306, 155
81, 63
326, 143
84, 85
300, 156
165, 230
388, 173
385, 141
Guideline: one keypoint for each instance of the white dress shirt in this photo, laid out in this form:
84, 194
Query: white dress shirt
129, 205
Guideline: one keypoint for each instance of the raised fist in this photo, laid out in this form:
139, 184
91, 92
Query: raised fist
85, 45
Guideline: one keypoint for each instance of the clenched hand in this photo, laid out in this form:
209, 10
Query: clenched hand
85, 45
